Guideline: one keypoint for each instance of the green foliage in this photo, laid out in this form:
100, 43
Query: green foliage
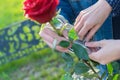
80, 51
69, 62
10, 11
81, 68
67, 76
83, 65
116, 77
41, 65
64, 44
72, 35
114, 72
56, 23
116, 67
110, 68
67, 57
6, 76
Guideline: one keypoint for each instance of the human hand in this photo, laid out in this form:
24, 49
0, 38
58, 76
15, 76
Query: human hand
91, 19
49, 36
110, 51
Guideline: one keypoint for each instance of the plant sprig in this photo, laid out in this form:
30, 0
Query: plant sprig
83, 65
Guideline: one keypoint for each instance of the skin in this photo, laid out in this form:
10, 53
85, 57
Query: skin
109, 51
49, 35
90, 20
86, 25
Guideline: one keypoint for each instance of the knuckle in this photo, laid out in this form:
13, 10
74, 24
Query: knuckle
80, 35
82, 12
83, 18
87, 23
75, 28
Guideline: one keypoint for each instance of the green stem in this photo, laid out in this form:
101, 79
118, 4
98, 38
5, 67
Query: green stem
92, 68
53, 26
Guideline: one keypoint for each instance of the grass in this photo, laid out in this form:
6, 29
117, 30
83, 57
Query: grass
40, 65
10, 11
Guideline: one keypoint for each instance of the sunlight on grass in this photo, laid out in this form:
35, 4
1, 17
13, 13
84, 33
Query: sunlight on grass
41, 65
10, 11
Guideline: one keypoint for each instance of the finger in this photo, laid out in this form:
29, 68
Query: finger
93, 57
101, 56
82, 13
42, 33
50, 32
57, 47
94, 44
48, 26
45, 35
44, 30
51, 35
61, 49
93, 49
97, 56
48, 38
49, 43
79, 17
48, 35
91, 33
55, 36
65, 34
84, 30
79, 25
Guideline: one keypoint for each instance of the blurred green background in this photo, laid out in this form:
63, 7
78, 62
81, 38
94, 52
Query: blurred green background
40, 65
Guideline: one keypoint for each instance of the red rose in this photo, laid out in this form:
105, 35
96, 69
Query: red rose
40, 10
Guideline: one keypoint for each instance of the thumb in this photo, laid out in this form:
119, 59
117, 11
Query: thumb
99, 56
94, 44
93, 56
65, 34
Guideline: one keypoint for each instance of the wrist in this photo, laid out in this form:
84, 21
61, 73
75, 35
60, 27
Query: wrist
105, 5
